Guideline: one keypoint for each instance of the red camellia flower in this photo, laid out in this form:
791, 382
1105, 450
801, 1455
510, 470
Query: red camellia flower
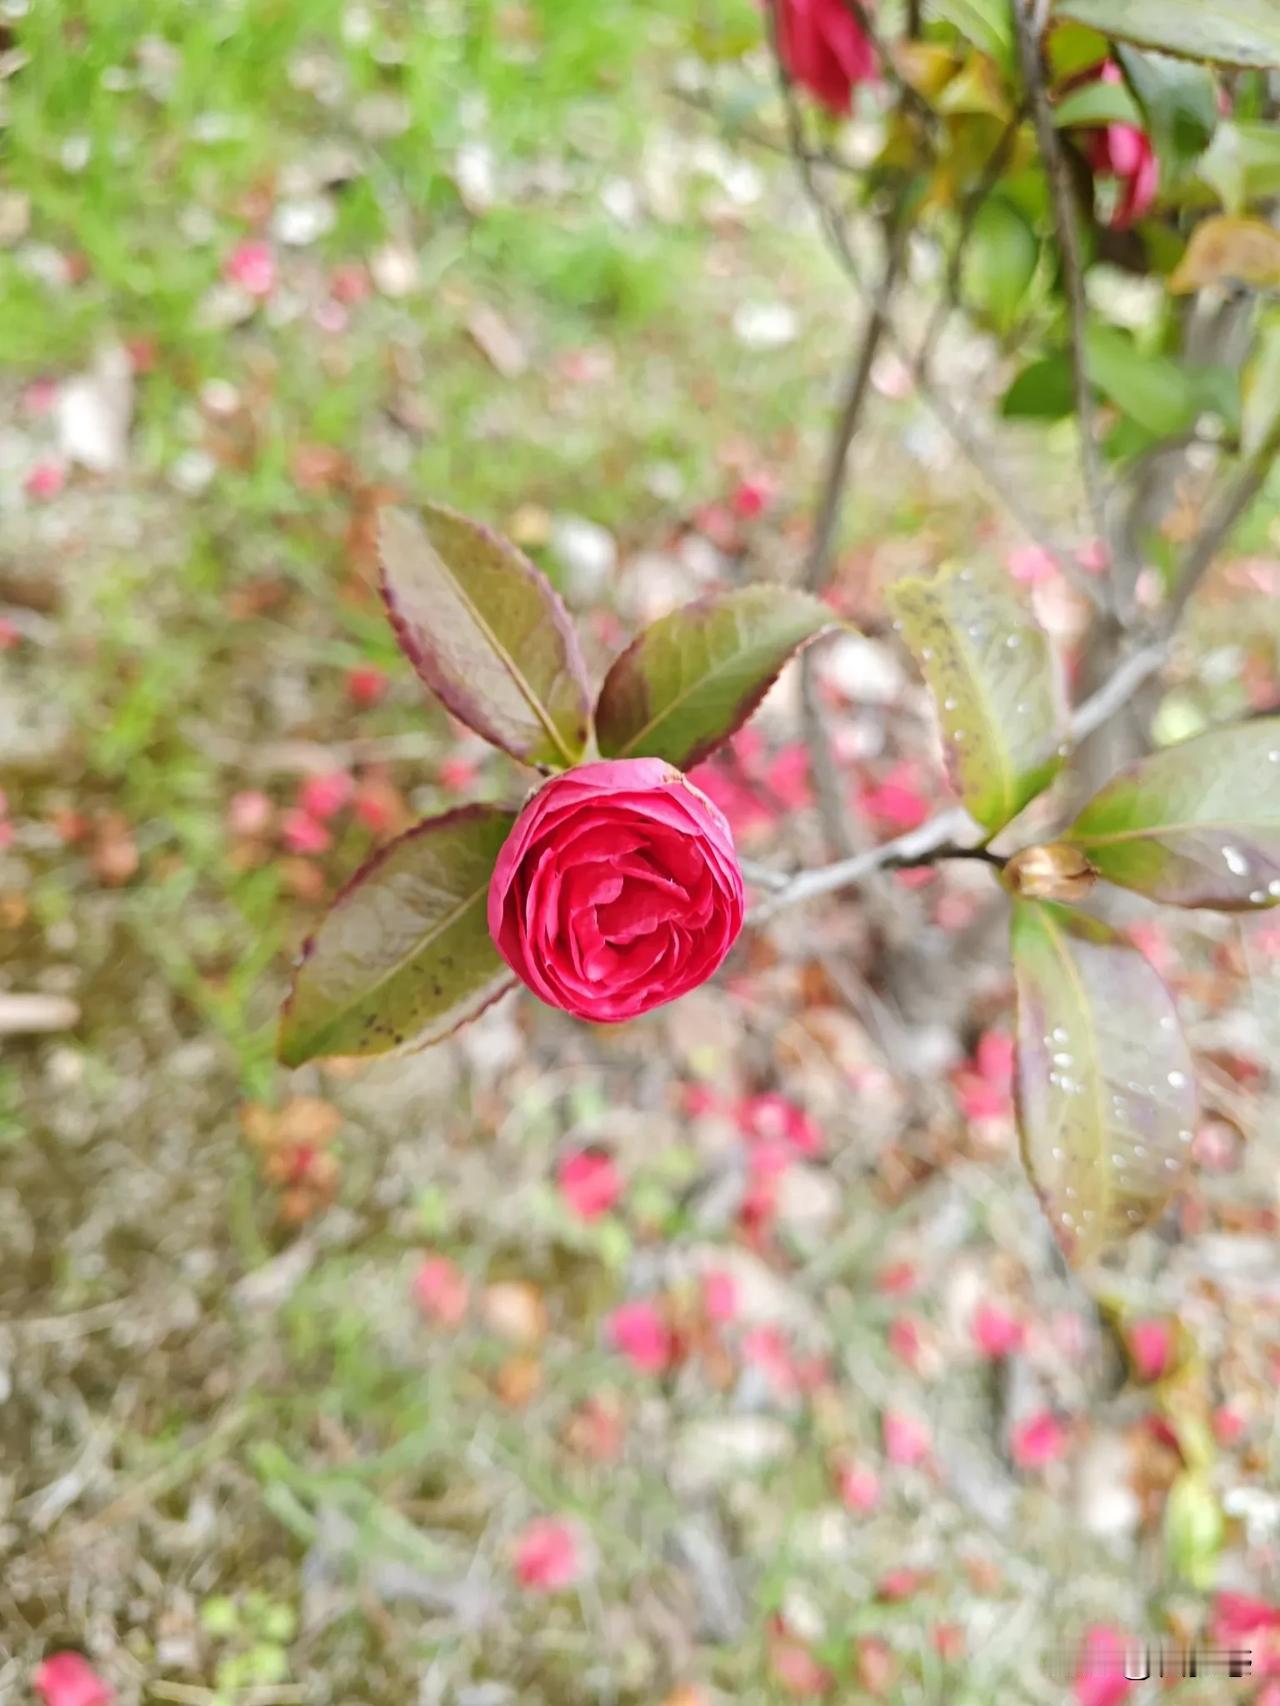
1123, 152
617, 890
825, 49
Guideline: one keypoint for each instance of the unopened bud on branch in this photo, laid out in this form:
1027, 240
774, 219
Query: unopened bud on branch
1051, 872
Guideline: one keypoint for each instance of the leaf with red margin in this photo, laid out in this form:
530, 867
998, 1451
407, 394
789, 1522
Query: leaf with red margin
487, 632
690, 681
404, 954
1196, 824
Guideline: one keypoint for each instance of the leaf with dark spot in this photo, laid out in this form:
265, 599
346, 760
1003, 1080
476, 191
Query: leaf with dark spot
404, 954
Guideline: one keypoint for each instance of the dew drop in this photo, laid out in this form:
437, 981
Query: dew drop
1184, 1136
1274, 756
1235, 860
1166, 1021
1117, 1160
1171, 1164
1134, 1215
948, 704
1056, 1153
1059, 1035
1011, 641
1063, 1059
1066, 1219
1274, 888
1177, 1080
1257, 896
926, 652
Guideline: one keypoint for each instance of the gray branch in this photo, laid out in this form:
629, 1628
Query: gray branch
1064, 219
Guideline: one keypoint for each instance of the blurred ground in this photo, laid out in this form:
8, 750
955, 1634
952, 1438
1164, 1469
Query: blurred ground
261, 265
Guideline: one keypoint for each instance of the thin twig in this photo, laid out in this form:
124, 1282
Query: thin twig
1064, 219
949, 298
947, 835
857, 389
972, 447
761, 138
1232, 504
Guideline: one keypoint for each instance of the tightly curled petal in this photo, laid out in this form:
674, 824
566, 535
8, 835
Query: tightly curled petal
618, 889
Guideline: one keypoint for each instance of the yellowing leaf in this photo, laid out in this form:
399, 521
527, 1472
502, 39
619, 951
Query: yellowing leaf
989, 669
1247, 250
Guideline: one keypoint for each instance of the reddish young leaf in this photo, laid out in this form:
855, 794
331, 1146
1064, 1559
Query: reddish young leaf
404, 955
487, 632
1196, 824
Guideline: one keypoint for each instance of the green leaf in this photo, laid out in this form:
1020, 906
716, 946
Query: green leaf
1000, 262
1042, 391
404, 954
1229, 32
1150, 388
1242, 163
1097, 103
487, 633
1072, 48
1106, 1102
1194, 1529
1262, 387
991, 675
1197, 824
687, 683
988, 24
1180, 101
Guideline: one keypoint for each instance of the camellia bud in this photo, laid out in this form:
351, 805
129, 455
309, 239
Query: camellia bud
1051, 872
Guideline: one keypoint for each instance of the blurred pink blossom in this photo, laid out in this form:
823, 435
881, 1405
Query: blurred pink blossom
68, 1679
252, 266
548, 1555
639, 1333
589, 1183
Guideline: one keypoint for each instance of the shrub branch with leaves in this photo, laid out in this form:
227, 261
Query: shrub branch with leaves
1042, 150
